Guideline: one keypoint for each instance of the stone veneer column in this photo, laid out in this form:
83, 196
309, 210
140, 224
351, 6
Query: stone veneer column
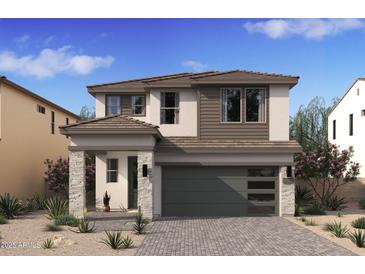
77, 195
145, 183
287, 193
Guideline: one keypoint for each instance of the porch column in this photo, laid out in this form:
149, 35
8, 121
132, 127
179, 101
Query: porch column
145, 183
286, 192
77, 193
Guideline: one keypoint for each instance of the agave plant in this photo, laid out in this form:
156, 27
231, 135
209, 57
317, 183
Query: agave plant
86, 226
303, 197
357, 237
47, 244
113, 240
10, 206
56, 207
127, 242
359, 223
337, 229
141, 222
334, 203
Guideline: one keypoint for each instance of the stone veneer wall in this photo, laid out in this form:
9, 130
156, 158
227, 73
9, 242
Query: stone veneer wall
145, 183
77, 195
287, 195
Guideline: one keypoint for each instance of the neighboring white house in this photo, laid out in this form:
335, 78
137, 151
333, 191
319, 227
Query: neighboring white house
346, 122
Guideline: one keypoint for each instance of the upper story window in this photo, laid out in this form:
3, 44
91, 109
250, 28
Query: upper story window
52, 122
351, 124
169, 111
112, 171
113, 105
334, 130
41, 109
138, 105
363, 112
231, 104
255, 104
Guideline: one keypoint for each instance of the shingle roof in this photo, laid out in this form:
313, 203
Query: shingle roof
188, 79
196, 145
116, 124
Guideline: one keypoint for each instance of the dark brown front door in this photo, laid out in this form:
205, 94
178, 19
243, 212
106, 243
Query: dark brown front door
132, 182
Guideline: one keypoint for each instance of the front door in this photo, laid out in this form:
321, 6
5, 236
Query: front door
132, 182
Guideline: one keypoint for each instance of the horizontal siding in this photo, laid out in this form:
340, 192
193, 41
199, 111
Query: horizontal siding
211, 126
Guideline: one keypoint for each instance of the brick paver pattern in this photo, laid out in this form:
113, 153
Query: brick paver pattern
271, 236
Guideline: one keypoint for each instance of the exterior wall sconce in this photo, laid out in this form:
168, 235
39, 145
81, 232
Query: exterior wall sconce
144, 170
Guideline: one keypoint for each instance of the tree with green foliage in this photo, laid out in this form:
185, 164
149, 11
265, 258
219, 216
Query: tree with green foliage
86, 113
309, 125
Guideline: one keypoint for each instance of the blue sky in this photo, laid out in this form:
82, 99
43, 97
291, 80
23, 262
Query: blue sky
57, 58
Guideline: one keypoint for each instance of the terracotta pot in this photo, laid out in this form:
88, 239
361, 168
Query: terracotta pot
106, 209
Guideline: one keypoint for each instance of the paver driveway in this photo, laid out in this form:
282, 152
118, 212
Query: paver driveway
234, 236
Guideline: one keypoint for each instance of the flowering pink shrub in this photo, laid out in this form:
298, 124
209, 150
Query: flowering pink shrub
57, 175
326, 169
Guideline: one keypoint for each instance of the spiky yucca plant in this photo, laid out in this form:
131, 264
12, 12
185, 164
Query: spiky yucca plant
113, 240
337, 229
47, 244
357, 237
141, 222
85, 226
127, 242
56, 207
10, 206
359, 223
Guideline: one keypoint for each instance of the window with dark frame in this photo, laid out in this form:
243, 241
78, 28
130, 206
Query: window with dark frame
255, 105
41, 109
169, 110
231, 105
363, 112
138, 105
113, 105
52, 122
334, 130
351, 124
67, 122
112, 171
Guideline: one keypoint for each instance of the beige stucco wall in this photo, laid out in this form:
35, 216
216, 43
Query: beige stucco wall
279, 113
26, 141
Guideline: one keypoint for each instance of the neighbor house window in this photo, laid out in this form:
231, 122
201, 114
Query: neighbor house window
351, 124
363, 112
67, 122
255, 105
231, 104
52, 122
169, 112
112, 171
41, 109
138, 105
113, 105
334, 130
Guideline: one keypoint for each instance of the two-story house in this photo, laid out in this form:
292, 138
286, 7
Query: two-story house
189, 144
346, 122
28, 136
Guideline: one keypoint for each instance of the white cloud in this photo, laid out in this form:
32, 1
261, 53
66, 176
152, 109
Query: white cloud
50, 62
194, 65
22, 39
49, 40
308, 28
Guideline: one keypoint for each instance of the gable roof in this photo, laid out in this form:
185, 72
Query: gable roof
3, 79
348, 90
188, 79
115, 124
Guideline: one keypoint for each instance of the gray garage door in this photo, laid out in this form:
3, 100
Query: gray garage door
218, 191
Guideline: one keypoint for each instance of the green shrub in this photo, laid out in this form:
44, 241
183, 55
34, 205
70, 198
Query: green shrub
362, 203
67, 219
56, 207
47, 244
311, 222
3, 220
35, 203
303, 197
337, 229
86, 226
10, 206
141, 222
359, 223
357, 237
127, 242
113, 240
302, 219
53, 227
315, 209
339, 214
334, 203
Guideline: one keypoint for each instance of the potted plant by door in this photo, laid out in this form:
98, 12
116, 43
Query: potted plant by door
106, 201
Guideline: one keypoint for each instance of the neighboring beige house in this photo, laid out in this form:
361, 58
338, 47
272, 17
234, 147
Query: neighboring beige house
189, 144
28, 135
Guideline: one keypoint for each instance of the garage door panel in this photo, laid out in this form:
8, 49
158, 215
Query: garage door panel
213, 197
205, 210
215, 184
208, 172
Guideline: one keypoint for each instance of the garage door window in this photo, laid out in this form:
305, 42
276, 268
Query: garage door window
259, 197
261, 185
262, 172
